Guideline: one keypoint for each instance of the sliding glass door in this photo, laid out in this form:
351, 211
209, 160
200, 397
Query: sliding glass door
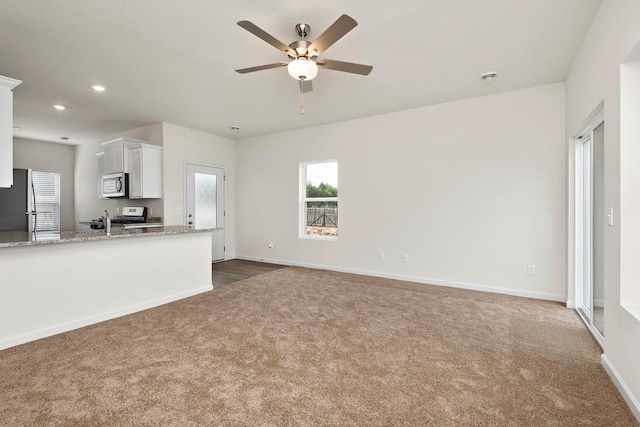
590, 223
599, 222
585, 299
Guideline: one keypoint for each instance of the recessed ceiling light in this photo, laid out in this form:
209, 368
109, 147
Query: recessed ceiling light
98, 88
235, 127
489, 77
59, 107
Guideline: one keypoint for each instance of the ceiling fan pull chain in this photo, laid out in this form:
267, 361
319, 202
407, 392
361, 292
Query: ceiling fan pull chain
301, 99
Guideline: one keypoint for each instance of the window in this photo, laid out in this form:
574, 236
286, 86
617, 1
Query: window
46, 190
319, 207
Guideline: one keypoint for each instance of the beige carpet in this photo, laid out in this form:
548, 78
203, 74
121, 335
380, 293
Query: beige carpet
307, 347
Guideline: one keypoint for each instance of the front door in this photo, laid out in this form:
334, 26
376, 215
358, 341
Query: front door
205, 203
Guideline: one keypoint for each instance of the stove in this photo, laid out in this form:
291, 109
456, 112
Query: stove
130, 215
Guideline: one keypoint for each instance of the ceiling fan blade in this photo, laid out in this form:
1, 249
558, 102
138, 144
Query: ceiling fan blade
257, 31
347, 67
261, 67
306, 86
335, 32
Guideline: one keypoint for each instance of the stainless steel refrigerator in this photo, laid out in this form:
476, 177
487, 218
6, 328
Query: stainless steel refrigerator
18, 203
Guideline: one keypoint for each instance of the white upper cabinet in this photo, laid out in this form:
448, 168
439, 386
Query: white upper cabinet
114, 158
100, 157
115, 154
142, 161
145, 172
6, 130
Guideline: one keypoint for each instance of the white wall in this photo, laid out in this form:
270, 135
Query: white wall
594, 79
87, 203
50, 157
183, 145
472, 190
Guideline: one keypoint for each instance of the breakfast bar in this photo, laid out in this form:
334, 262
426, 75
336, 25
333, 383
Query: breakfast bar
55, 282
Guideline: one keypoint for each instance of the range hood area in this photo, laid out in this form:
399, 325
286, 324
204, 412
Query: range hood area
130, 168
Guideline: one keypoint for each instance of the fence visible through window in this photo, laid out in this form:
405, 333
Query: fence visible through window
320, 203
322, 221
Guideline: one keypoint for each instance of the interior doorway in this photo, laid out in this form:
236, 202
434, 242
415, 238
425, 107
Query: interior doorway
205, 203
590, 225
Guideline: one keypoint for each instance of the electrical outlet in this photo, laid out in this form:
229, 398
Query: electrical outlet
405, 257
117, 210
270, 245
531, 270
380, 255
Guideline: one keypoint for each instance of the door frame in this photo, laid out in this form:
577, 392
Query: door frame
581, 245
184, 194
586, 133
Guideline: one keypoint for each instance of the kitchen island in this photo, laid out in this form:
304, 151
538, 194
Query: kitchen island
55, 282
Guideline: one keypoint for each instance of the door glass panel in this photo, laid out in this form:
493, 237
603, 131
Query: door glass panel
598, 228
205, 201
585, 305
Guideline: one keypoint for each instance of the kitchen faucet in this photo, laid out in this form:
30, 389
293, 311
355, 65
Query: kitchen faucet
107, 223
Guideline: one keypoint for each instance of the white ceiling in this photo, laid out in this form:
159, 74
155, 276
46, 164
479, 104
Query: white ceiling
174, 61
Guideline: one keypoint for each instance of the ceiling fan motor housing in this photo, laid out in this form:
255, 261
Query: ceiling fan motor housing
301, 47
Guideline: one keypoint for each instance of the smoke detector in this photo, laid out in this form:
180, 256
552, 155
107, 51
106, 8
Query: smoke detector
489, 76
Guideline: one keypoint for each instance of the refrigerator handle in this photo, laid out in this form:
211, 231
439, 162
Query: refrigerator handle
32, 201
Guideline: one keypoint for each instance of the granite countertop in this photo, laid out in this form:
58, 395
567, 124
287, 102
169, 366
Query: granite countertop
12, 239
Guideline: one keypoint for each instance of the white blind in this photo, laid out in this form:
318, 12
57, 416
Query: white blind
46, 187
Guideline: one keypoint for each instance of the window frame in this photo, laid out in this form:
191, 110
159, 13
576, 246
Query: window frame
302, 223
54, 201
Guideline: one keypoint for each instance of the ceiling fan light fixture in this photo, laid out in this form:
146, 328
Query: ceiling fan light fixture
302, 69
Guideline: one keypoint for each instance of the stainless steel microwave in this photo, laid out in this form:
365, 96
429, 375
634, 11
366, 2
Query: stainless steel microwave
115, 185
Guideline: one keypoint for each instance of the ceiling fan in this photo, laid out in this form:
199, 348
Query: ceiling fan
303, 54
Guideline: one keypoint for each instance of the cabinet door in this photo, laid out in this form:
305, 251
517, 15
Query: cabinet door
151, 173
135, 173
6, 130
114, 158
6, 137
100, 158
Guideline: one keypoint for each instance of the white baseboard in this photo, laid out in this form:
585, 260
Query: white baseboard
571, 304
80, 323
416, 279
628, 397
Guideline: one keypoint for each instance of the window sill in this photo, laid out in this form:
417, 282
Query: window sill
633, 310
316, 237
